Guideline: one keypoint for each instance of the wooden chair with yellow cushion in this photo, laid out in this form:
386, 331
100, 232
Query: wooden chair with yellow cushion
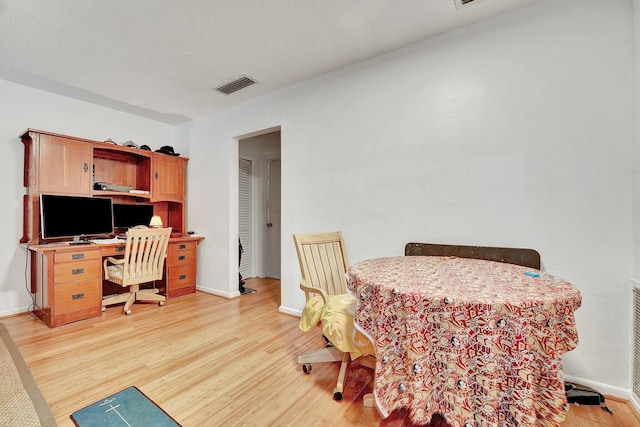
143, 262
323, 264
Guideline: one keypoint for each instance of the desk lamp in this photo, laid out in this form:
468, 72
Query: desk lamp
156, 222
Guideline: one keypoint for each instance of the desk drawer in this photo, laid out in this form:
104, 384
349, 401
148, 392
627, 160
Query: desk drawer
181, 280
181, 257
113, 250
182, 276
75, 271
181, 246
77, 296
75, 256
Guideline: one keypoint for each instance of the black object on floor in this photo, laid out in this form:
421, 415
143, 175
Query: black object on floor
583, 395
243, 290
241, 287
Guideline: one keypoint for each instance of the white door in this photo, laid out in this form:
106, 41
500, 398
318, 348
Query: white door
273, 218
244, 215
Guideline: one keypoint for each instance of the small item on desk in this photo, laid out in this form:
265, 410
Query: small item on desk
80, 242
106, 241
532, 274
190, 232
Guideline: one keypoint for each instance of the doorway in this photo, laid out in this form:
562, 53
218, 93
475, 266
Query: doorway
259, 205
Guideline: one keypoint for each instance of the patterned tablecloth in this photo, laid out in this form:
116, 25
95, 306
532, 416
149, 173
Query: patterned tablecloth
478, 342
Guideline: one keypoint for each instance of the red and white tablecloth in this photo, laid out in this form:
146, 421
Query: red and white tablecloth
478, 342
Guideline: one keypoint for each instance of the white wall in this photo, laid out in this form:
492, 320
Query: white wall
636, 168
513, 132
22, 108
636, 141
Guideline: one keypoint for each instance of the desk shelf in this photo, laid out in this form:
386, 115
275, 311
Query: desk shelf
114, 194
68, 165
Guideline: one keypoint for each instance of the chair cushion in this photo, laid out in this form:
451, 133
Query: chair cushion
115, 271
336, 319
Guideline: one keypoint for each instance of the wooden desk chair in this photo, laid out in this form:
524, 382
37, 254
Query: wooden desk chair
524, 257
143, 262
323, 264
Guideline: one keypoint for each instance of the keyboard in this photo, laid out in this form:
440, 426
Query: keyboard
106, 241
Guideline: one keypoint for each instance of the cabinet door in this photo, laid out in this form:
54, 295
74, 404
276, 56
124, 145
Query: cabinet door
65, 166
169, 177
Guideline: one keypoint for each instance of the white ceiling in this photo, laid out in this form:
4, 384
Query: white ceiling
163, 59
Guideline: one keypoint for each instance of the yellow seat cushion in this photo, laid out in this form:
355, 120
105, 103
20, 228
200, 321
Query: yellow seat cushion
336, 319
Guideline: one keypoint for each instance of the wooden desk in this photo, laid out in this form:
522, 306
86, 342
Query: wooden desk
478, 342
67, 279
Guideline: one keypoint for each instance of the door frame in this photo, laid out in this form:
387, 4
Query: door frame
234, 198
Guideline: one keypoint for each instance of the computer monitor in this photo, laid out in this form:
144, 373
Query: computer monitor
127, 216
75, 217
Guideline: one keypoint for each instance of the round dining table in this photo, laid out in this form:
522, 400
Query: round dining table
478, 342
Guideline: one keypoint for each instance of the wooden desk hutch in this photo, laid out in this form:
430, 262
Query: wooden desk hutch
67, 280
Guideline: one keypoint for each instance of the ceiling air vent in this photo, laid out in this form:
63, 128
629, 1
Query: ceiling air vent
235, 85
462, 3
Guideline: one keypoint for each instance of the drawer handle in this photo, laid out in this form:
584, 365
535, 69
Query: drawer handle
182, 257
77, 296
182, 277
119, 248
77, 271
77, 256
182, 246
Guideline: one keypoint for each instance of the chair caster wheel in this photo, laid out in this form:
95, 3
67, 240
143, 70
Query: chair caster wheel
160, 303
128, 312
337, 395
104, 308
306, 368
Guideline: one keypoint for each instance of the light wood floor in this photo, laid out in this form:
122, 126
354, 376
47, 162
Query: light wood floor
209, 361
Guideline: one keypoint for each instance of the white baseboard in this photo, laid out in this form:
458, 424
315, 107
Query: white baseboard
636, 401
14, 311
291, 311
218, 292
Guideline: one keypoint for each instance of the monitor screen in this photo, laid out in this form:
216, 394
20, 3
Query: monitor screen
130, 215
75, 216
